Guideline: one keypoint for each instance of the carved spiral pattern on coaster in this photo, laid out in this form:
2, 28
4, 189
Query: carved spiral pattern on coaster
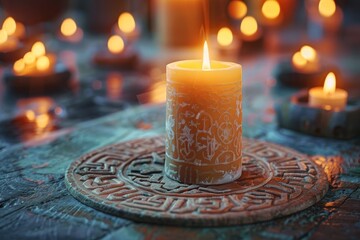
127, 180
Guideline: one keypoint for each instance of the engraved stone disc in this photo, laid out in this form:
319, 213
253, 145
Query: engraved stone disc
127, 180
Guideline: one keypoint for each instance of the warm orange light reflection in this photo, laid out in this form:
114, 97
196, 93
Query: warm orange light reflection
42, 120
237, 9
42, 63
224, 36
38, 49
330, 83
308, 53
3, 36
206, 58
68, 27
115, 44
9, 26
29, 58
19, 66
158, 92
249, 26
126, 22
30, 115
114, 86
271, 9
327, 8
298, 60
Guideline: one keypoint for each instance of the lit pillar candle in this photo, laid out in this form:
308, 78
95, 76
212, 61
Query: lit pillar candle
203, 121
328, 96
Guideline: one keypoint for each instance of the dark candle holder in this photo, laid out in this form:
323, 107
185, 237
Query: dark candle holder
286, 74
55, 81
298, 115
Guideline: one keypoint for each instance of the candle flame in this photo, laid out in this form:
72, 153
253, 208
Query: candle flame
29, 58
42, 63
327, 8
248, 26
126, 22
271, 9
3, 36
298, 60
206, 58
19, 66
68, 27
224, 36
38, 49
237, 9
115, 44
308, 53
330, 83
9, 26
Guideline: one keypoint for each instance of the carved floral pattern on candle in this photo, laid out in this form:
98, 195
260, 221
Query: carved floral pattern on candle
207, 131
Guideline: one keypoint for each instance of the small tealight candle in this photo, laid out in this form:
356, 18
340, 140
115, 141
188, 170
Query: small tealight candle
117, 54
271, 13
203, 121
306, 60
70, 32
328, 97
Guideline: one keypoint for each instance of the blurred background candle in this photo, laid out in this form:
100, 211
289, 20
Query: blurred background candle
127, 27
179, 22
329, 96
203, 121
249, 29
306, 60
117, 54
70, 32
13, 28
226, 45
35, 62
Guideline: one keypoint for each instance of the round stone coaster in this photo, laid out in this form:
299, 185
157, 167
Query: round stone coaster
127, 180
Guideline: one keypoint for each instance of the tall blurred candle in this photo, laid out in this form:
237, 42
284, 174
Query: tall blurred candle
203, 121
179, 22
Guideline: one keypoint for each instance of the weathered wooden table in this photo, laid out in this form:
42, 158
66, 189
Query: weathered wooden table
34, 203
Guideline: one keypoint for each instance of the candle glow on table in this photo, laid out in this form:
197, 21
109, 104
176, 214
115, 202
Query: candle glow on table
306, 60
203, 121
328, 96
